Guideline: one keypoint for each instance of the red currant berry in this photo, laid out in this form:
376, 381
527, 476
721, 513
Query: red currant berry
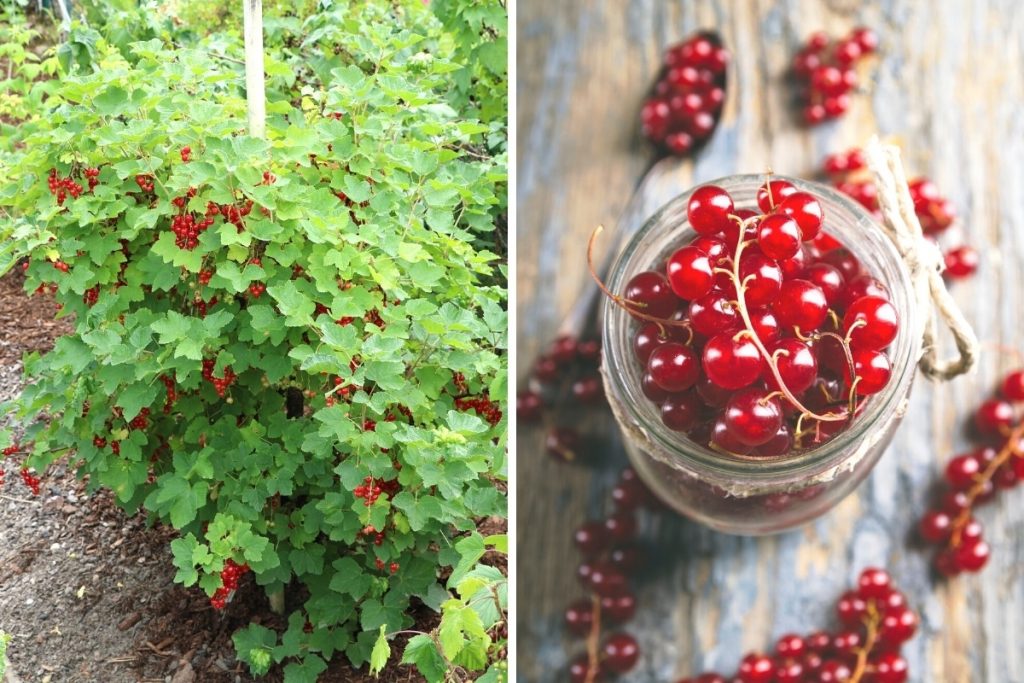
872, 370
993, 416
971, 556
673, 367
713, 313
898, 626
680, 412
790, 645
731, 363
579, 616
961, 262
801, 304
1013, 386
779, 236
873, 583
619, 608
755, 668
772, 193
690, 273
620, 652
871, 322
753, 417
889, 667
962, 470
936, 526
649, 293
828, 278
709, 209
805, 210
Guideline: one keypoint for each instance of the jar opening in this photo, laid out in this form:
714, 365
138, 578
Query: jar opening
667, 230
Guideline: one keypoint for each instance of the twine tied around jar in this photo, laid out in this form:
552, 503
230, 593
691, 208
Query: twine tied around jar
925, 263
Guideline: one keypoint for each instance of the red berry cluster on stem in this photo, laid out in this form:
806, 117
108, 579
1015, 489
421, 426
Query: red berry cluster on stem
220, 384
172, 392
571, 366
145, 182
761, 337
482, 405
30, 480
62, 187
229, 577
610, 553
684, 108
973, 479
875, 623
936, 213
826, 68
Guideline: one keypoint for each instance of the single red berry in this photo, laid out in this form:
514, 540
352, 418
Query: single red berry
753, 417
993, 416
889, 667
755, 668
936, 526
690, 273
779, 236
620, 652
1013, 386
649, 293
680, 412
871, 323
772, 193
709, 209
961, 262
803, 208
872, 370
731, 363
673, 367
801, 304
962, 470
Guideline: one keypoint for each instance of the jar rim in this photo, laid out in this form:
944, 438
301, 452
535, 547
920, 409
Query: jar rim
905, 350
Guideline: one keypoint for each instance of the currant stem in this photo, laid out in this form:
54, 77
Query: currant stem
623, 303
741, 306
870, 638
1010, 449
593, 642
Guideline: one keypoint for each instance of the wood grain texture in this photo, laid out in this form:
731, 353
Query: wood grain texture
949, 87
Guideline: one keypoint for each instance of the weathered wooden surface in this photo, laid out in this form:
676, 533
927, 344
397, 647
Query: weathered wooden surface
948, 88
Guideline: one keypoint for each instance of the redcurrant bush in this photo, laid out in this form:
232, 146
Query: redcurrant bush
290, 350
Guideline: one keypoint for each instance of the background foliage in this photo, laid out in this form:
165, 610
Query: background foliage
292, 350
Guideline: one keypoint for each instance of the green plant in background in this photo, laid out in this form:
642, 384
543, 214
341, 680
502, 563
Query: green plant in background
5, 640
26, 65
293, 350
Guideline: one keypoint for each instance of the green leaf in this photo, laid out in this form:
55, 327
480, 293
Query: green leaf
381, 652
421, 652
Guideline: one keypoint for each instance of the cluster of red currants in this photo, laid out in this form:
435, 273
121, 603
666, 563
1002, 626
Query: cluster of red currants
393, 567
826, 68
482, 405
172, 392
186, 154
369, 491
610, 553
378, 536
145, 182
202, 306
140, 421
876, 622
257, 288
62, 187
974, 478
184, 225
236, 214
30, 480
220, 384
229, 577
566, 359
91, 295
683, 110
762, 333
848, 172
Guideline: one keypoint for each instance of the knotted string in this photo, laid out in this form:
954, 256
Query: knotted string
925, 262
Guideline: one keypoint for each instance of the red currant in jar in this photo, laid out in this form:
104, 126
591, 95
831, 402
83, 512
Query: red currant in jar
710, 210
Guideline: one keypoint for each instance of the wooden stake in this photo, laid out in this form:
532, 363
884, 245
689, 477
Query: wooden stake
254, 93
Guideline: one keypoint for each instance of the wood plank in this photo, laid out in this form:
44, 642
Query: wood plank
949, 87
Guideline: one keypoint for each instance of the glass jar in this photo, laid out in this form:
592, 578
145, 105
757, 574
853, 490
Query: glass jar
756, 495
